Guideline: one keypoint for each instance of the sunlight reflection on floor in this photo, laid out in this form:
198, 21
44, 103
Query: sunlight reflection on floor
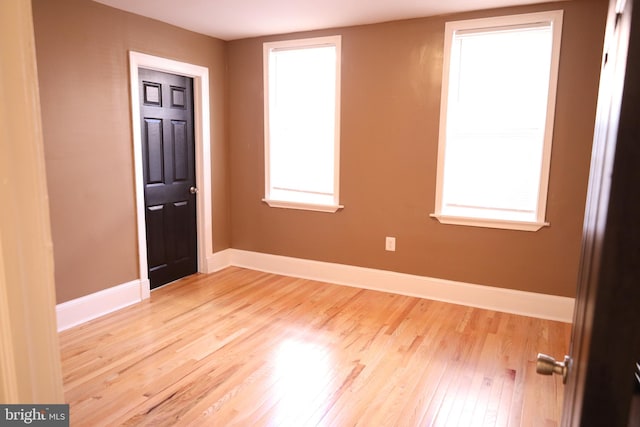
303, 372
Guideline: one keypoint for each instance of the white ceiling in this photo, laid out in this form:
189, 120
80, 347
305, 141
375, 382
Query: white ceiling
237, 19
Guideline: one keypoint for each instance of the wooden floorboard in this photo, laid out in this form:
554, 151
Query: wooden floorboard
247, 348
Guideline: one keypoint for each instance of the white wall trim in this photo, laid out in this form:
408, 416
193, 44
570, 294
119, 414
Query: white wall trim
89, 307
476, 216
532, 304
202, 133
219, 260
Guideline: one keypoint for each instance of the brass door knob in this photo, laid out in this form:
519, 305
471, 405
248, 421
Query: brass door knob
547, 365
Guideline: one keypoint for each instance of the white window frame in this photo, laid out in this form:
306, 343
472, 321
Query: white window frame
269, 47
555, 19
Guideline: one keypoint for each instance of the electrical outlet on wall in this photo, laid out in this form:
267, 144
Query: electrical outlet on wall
390, 244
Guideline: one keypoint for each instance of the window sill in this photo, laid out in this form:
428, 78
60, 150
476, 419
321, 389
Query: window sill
302, 206
490, 223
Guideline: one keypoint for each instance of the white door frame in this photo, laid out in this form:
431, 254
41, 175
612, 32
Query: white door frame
202, 132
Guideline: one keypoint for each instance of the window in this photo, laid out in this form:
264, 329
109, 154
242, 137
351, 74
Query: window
302, 123
496, 120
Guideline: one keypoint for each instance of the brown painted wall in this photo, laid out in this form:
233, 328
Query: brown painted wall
82, 52
391, 82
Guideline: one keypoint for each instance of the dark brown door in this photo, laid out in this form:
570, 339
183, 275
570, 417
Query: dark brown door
606, 334
166, 107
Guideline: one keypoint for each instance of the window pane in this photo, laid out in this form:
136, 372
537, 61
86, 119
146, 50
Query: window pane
302, 121
502, 79
499, 172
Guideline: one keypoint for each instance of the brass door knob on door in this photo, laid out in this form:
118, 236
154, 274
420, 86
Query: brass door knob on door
193, 190
547, 365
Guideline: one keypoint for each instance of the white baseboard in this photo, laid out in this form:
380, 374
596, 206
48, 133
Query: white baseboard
145, 288
532, 304
219, 260
89, 307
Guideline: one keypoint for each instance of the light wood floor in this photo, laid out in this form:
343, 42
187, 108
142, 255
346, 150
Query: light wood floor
246, 348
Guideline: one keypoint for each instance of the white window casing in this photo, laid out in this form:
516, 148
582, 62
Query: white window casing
302, 123
496, 120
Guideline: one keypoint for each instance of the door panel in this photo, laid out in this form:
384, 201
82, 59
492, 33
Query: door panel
155, 236
605, 342
169, 173
152, 143
182, 214
180, 151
